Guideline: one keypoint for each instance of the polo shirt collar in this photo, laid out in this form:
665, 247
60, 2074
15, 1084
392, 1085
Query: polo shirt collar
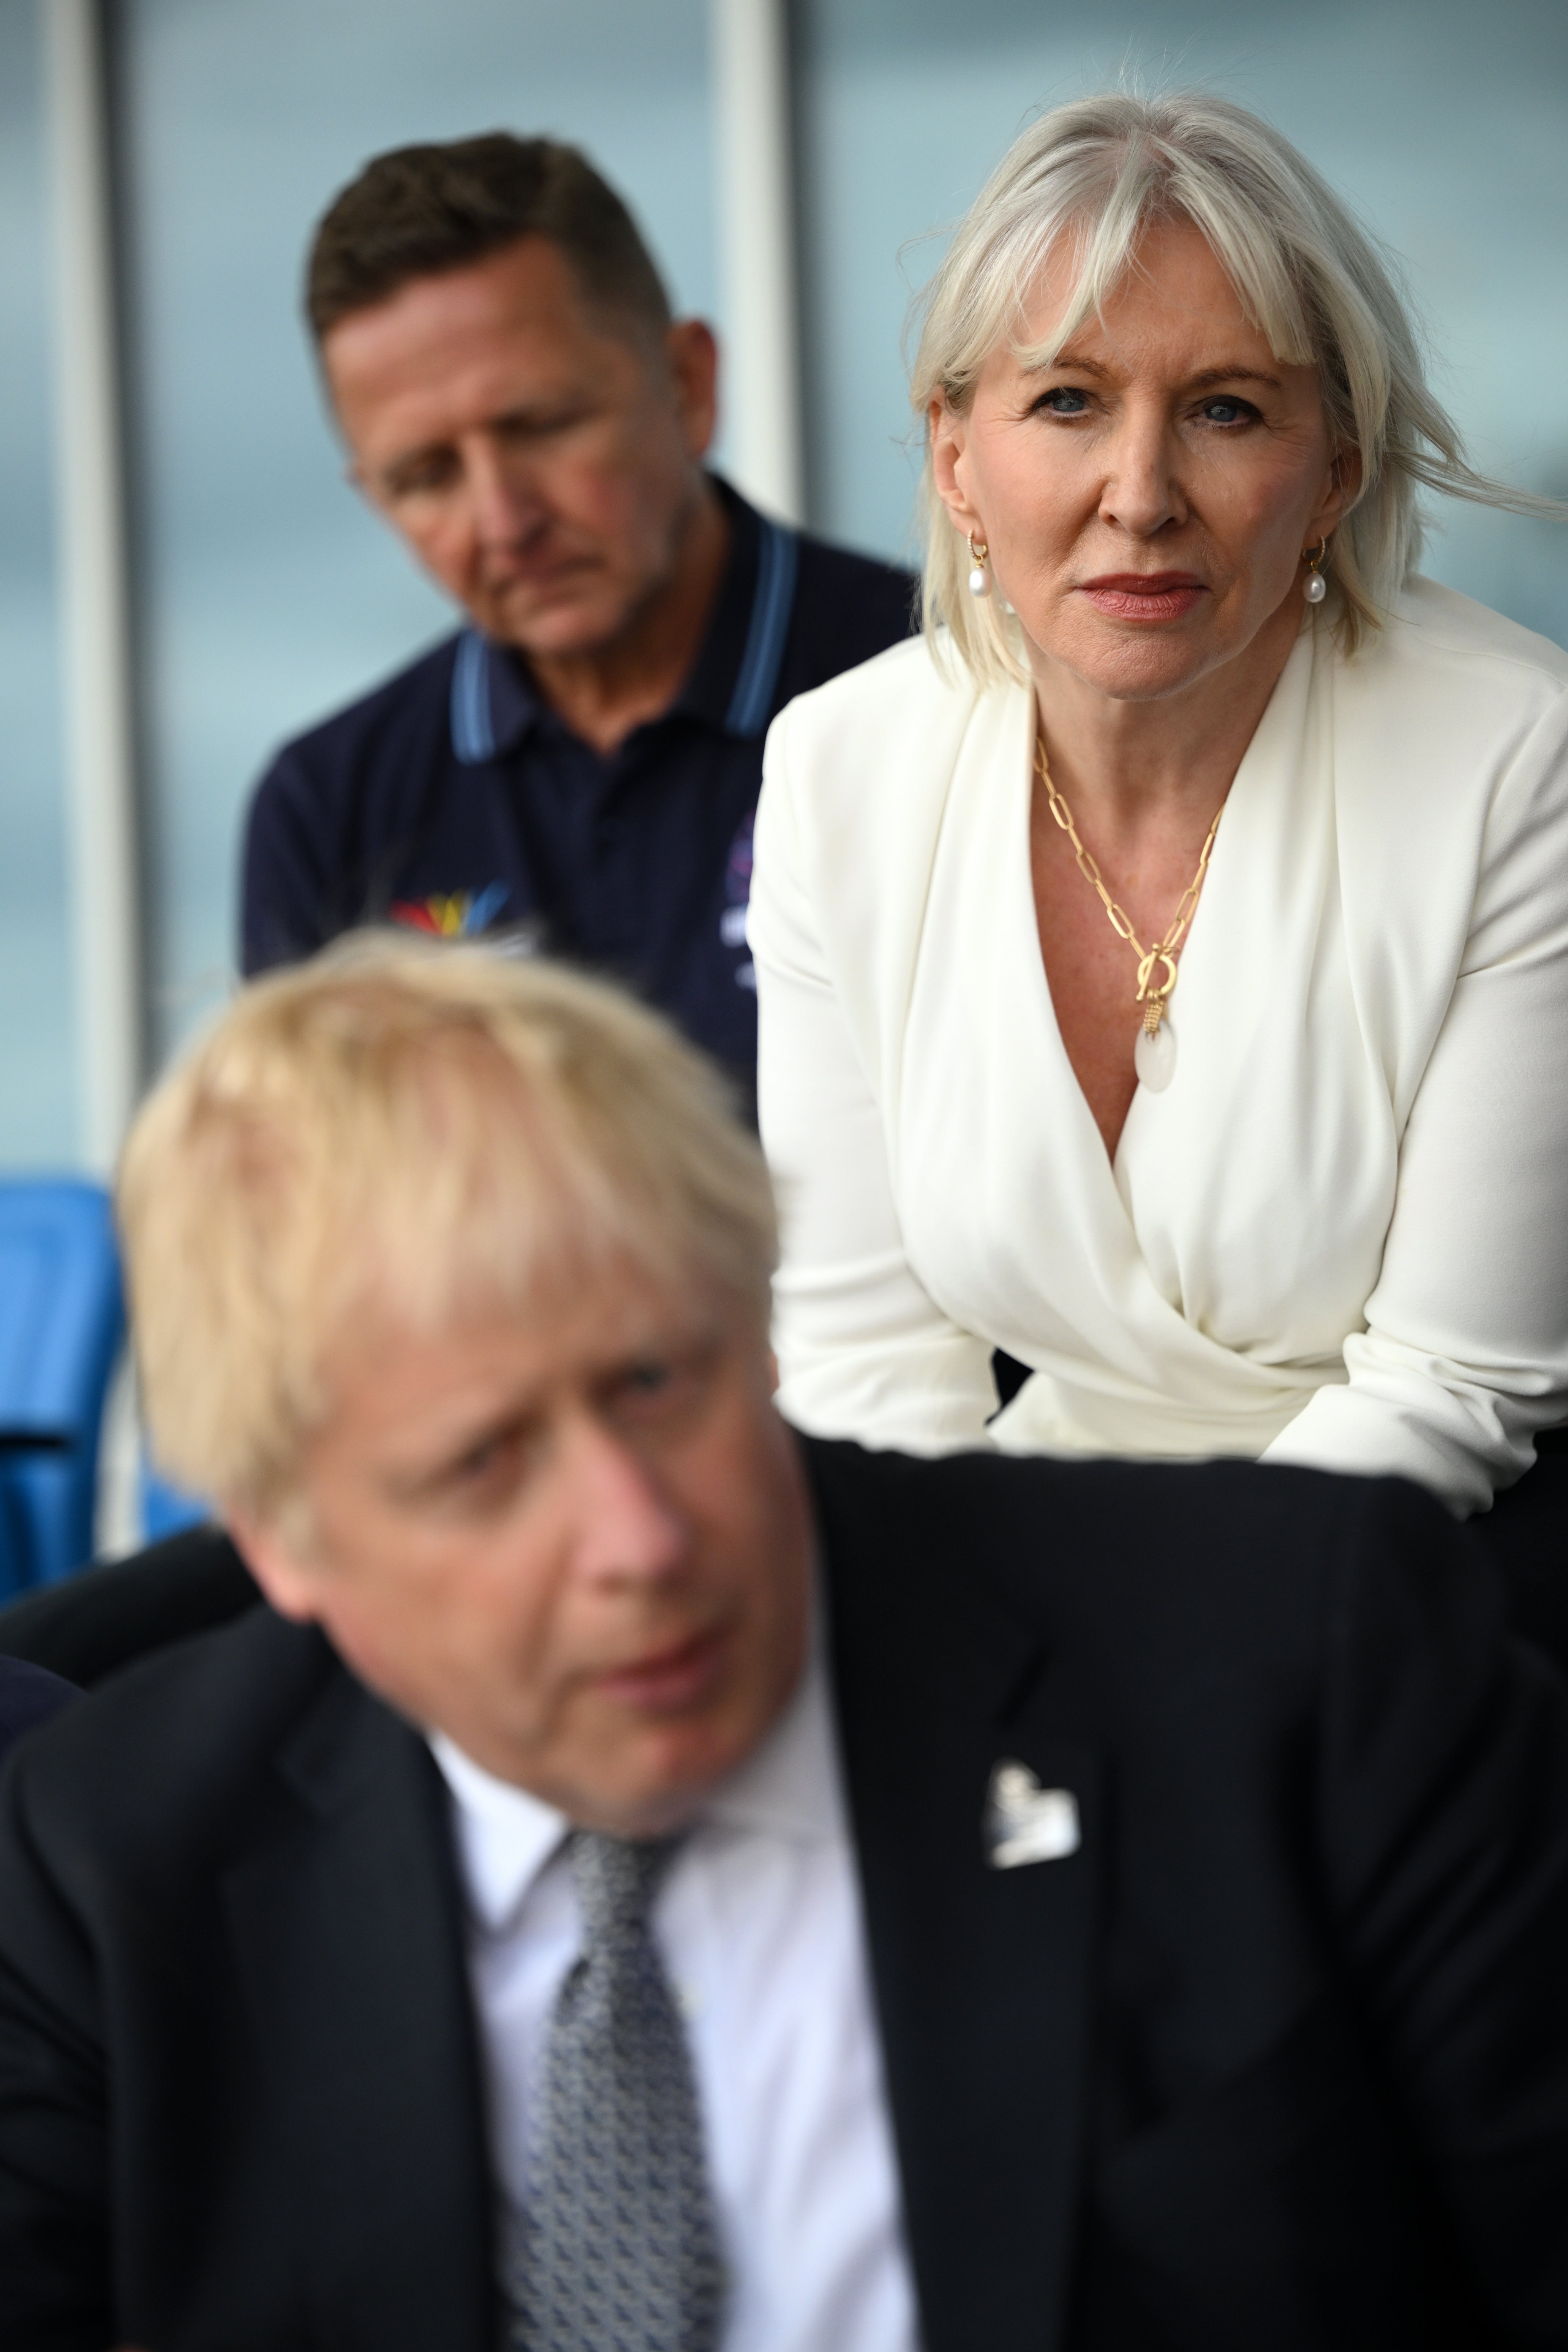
730, 684
494, 704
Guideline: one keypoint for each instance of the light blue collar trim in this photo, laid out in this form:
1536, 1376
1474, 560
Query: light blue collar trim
778, 561
473, 729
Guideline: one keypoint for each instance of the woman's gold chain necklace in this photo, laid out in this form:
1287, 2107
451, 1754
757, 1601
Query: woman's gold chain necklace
1153, 997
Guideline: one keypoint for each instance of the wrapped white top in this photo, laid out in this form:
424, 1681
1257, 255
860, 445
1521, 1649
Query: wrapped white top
1340, 1236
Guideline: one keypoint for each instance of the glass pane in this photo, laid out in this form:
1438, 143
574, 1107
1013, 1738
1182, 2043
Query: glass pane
38, 1094
269, 594
1442, 123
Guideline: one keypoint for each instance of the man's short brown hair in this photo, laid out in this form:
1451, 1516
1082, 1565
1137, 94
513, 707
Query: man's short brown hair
417, 212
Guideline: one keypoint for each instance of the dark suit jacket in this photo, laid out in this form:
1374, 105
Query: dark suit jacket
1277, 2058
28, 1696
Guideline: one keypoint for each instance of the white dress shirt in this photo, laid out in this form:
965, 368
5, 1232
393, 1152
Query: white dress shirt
759, 1924
1338, 1236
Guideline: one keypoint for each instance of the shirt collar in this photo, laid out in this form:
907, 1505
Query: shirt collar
730, 687
788, 1788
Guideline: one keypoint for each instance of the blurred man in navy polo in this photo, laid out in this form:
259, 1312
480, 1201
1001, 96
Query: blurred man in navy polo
578, 767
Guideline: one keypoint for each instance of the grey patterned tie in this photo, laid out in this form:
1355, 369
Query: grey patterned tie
618, 2251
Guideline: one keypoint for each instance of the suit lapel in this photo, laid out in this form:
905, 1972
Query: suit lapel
982, 1975
344, 1919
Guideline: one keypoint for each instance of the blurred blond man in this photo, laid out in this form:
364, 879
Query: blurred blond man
648, 1879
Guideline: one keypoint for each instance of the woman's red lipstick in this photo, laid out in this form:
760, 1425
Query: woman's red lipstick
1143, 595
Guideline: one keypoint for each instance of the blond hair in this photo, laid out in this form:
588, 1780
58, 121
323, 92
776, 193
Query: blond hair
1097, 174
407, 1130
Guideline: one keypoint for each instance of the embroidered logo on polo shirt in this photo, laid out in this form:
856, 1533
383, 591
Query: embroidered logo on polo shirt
453, 915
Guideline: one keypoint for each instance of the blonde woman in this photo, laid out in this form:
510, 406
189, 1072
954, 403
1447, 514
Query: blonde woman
1163, 968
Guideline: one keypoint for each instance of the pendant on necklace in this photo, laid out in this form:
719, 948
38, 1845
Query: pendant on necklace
1154, 1054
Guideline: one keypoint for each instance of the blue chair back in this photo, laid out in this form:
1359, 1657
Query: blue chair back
16, 1553
62, 1323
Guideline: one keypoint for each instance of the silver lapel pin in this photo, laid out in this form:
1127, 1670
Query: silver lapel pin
1024, 1822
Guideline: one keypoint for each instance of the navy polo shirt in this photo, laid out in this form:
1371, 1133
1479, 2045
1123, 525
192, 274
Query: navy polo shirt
453, 799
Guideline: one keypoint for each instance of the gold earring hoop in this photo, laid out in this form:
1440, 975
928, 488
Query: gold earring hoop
979, 578
1314, 588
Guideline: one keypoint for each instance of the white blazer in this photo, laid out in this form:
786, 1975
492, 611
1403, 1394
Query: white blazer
1341, 1234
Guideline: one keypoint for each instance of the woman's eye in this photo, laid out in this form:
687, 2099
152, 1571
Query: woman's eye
1225, 410
1062, 400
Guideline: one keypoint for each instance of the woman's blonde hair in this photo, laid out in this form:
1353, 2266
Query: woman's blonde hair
404, 1132
1098, 173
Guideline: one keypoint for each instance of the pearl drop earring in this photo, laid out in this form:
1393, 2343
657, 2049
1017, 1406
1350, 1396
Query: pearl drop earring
979, 579
1315, 587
